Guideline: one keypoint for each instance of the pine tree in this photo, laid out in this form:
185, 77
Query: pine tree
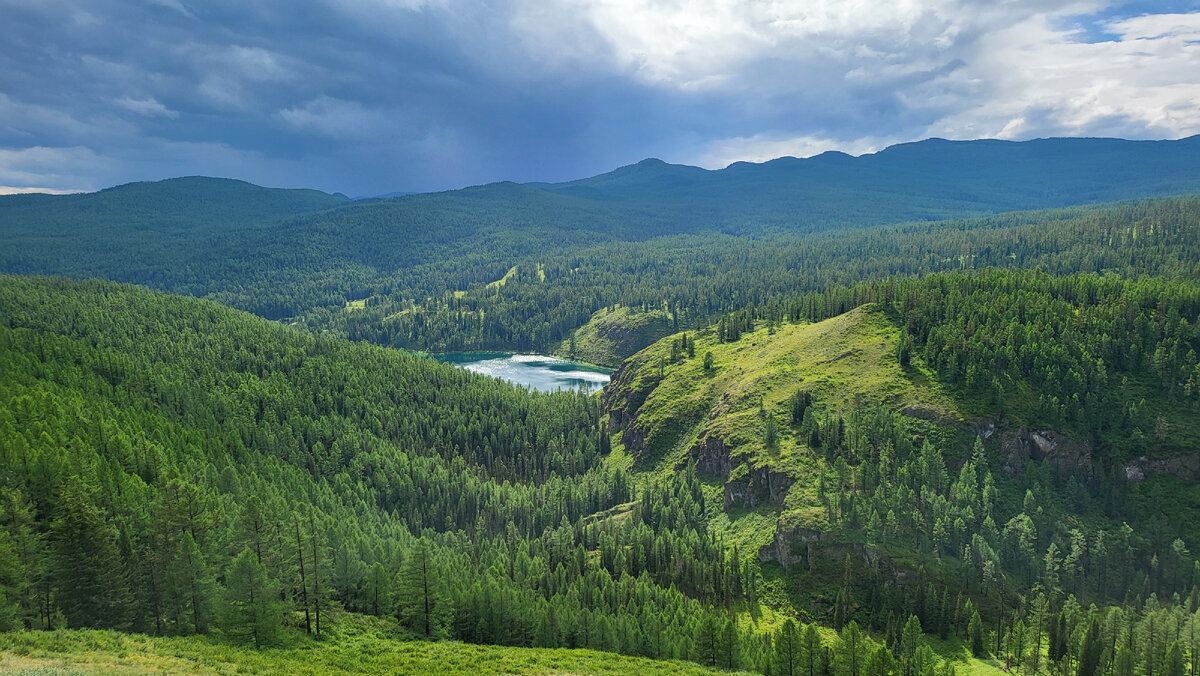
422, 605
251, 612
1093, 646
1175, 665
810, 651
708, 639
880, 663
25, 576
787, 649
851, 650
378, 590
10, 575
189, 581
910, 638
975, 632
89, 587
729, 643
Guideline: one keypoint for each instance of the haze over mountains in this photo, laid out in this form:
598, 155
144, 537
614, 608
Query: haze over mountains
303, 254
169, 221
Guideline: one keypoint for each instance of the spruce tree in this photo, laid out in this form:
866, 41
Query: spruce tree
1093, 646
910, 638
188, 579
787, 649
851, 650
89, 587
975, 632
421, 602
810, 651
251, 612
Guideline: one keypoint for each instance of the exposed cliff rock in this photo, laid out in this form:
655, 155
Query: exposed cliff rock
755, 486
622, 399
712, 457
1065, 454
799, 546
790, 546
1186, 466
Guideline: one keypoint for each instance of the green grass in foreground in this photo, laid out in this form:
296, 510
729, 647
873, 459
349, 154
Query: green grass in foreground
359, 648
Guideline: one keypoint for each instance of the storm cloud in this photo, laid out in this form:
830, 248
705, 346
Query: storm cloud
373, 96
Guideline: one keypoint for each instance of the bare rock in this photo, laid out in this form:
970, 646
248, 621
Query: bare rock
1185, 466
756, 486
1065, 454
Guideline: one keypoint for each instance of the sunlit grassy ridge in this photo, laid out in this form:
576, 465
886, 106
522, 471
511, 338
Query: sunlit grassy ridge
843, 361
612, 334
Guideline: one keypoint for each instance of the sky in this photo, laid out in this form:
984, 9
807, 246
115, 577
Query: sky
367, 97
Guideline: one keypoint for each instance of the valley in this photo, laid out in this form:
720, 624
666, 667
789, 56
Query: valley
910, 433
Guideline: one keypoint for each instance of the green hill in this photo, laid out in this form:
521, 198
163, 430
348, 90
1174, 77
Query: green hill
173, 467
871, 434
612, 334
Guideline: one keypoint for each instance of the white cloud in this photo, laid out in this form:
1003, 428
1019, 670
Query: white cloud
763, 147
174, 5
374, 95
69, 169
148, 107
698, 44
1038, 81
13, 190
951, 68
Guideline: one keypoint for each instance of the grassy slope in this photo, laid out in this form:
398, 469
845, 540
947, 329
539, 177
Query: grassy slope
611, 335
358, 646
841, 361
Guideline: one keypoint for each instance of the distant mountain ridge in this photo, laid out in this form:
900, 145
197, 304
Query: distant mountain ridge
283, 253
186, 202
930, 179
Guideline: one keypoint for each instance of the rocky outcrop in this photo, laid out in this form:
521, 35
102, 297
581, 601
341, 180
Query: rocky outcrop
712, 457
928, 414
622, 401
1186, 466
790, 546
756, 486
796, 546
1066, 455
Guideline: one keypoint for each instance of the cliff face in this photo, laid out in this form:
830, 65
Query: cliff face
622, 398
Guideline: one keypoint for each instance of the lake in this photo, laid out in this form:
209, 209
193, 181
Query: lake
545, 374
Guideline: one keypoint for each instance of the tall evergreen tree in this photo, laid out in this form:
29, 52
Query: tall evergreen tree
251, 612
421, 602
89, 586
787, 649
188, 577
1090, 651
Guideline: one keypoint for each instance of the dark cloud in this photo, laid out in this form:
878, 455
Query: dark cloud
375, 96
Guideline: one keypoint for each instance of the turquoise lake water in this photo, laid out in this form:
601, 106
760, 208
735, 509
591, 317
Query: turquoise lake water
545, 374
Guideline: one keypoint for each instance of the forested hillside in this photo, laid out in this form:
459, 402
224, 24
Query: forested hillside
974, 448
417, 271
171, 466
175, 467
695, 279
853, 442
